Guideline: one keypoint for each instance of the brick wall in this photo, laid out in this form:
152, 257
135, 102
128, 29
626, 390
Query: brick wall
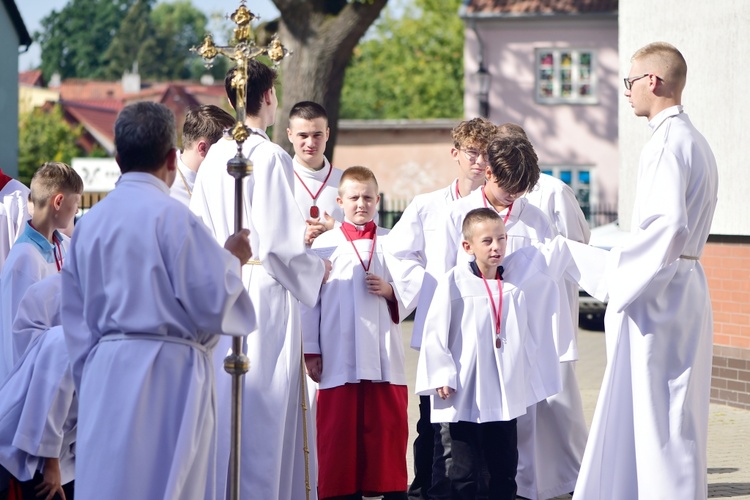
726, 260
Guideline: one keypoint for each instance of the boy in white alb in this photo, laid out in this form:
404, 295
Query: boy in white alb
316, 182
411, 247
13, 212
38, 404
552, 434
39, 251
474, 358
353, 348
488, 345
203, 126
285, 274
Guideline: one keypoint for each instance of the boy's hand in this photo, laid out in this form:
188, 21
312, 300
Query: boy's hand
52, 482
314, 229
314, 367
328, 221
444, 392
239, 245
378, 286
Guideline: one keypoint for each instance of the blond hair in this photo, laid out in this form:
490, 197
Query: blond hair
357, 174
51, 178
475, 217
667, 60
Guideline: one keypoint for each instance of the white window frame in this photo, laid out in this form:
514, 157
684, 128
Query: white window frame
576, 186
576, 79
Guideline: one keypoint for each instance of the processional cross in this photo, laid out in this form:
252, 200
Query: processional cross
241, 50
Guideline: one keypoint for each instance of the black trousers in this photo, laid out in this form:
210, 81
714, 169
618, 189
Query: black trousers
467, 447
424, 446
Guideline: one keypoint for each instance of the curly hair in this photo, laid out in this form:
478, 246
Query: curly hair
475, 133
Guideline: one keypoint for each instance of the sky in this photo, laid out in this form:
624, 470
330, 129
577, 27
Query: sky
32, 12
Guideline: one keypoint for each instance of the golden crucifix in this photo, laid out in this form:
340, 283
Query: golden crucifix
241, 50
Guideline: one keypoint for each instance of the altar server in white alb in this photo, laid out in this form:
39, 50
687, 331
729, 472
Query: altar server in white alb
284, 274
353, 348
552, 434
14, 196
316, 182
38, 403
482, 359
411, 248
203, 126
649, 432
38, 311
146, 291
41, 248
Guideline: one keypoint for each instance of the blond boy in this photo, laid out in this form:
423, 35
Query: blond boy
40, 250
353, 348
486, 356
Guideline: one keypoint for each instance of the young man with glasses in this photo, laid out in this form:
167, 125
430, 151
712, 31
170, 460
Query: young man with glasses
410, 249
649, 433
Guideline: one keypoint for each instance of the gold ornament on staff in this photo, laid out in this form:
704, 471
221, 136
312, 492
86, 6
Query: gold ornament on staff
241, 50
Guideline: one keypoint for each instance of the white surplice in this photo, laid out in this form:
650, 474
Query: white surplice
552, 434
30, 260
272, 455
182, 187
460, 352
38, 311
313, 179
146, 290
525, 225
649, 434
412, 244
349, 326
14, 212
39, 410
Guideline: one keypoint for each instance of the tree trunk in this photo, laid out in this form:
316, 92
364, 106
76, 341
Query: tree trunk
322, 35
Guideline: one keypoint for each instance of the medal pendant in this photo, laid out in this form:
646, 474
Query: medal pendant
314, 212
498, 341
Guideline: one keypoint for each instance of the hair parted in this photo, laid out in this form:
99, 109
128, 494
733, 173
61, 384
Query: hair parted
357, 174
308, 110
205, 122
668, 59
260, 79
144, 135
475, 133
511, 129
51, 178
477, 216
514, 164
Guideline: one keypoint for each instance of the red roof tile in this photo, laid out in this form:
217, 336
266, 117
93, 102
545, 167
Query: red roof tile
540, 6
32, 78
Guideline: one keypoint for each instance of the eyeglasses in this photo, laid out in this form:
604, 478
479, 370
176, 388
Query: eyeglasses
472, 154
629, 81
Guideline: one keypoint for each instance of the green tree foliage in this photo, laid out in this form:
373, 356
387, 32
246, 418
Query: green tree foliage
411, 67
75, 39
103, 38
45, 136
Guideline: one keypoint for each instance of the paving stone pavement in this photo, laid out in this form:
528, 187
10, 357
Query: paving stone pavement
728, 428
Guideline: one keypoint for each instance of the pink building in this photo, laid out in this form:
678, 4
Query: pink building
551, 66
